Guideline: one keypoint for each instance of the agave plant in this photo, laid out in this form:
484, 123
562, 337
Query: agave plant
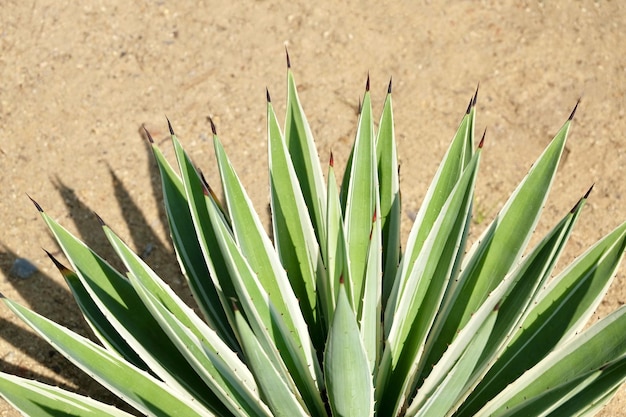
329, 317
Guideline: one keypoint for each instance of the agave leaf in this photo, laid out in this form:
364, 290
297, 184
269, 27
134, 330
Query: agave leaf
259, 253
189, 250
120, 304
101, 327
304, 156
389, 192
370, 315
423, 294
347, 372
584, 355
360, 202
138, 388
281, 399
490, 260
34, 398
579, 396
437, 398
290, 354
337, 253
596, 393
294, 236
559, 311
211, 358
450, 170
530, 275
201, 203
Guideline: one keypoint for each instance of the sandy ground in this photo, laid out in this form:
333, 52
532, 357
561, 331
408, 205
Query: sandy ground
78, 82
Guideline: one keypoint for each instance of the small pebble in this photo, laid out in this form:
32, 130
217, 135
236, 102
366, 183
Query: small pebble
23, 268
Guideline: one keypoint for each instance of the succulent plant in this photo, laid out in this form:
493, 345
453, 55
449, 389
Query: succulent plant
330, 317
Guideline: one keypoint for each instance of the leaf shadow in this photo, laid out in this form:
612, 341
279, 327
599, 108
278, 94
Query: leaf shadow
59, 304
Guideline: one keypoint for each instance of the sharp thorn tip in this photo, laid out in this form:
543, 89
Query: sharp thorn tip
35, 203
213, 129
571, 116
148, 135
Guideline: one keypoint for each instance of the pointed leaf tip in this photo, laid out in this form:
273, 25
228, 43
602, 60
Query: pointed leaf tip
341, 280
102, 223
267, 95
475, 95
331, 161
571, 116
469, 106
148, 135
482, 140
288, 60
584, 197
36, 204
389, 87
56, 262
367, 83
213, 129
169, 126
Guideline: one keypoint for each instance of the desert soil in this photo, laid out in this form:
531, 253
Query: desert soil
78, 79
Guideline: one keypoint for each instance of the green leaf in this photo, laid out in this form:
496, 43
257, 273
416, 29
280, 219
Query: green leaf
122, 307
281, 399
254, 244
558, 312
422, 296
527, 278
34, 398
347, 372
360, 202
448, 174
189, 250
218, 366
101, 327
389, 191
493, 255
337, 253
141, 390
294, 236
304, 155
581, 356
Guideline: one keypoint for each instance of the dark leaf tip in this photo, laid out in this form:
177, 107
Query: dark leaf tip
571, 116
148, 135
341, 280
102, 223
267, 95
58, 264
35, 203
586, 196
169, 126
367, 83
469, 106
482, 140
213, 129
331, 161
475, 95
288, 60
389, 86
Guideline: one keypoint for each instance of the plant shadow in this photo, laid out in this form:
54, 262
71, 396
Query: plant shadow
59, 304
